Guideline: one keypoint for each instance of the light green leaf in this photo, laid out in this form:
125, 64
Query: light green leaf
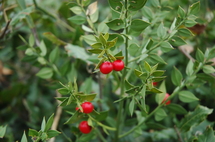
2, 131
194, 8
89, 97
156, 58
190, 23
76, 9
50, 36
194, 118
160, 114
133, 49
176, 77
131, 106
24, 138
161, 31
187, 97
181, 12
49, 123
147, 67
32, 133
177, 41
89, 39
208, 69
43, 48
43, 125
45, 73
189, 68
199, 55
166, 46
160, 97
54, 55
184, 32
31, 40
29, 52
77, 19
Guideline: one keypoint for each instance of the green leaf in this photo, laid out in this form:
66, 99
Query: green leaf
31, 40
194, 8
116, 5
24, 138
190, 23
147, 67
155, 90
133, 49
2, 131
43, 125
21, 15
187, 97
21, 3
176, 77
166, 46
155, 126
54, 55
76, 9
95, 51
43, 48
49, 122
88, 98
52, 133
77, 52
136, 4
96, 45
120, 39
160, 97
138, 25
207, 136
101, 116
160, 114
184, 32
77, 19
181, 12
94, 17
73, 118
161, 31
89, 39
45, 73
189, 68
50, 36
199, 55
85, 2
156, 58
131, 106
208, 69
115, 24
158, 73
32, 133
177, 109
194, 118
177, 41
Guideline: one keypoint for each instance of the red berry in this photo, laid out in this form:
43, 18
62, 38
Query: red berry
87, 107
84, 127
155, 83
106, 67
165, 98
118, 65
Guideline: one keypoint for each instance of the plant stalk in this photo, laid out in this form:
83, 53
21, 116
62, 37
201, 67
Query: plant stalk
120, 113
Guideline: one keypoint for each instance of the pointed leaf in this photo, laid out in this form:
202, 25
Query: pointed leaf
2, 131
187, 97
176, 77
45, 73
115, 24
24, 138
160, 114
136, 4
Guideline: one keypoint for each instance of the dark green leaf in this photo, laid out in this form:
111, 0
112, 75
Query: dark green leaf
175, 108
115, 24
190, 23
184, 32
194, 8
177, 41
207, 136
50, 36
181, 12
95, 51
32, 133
155, 126
49, 122
52, 133
194, 118
138, 25
136, 4
116, 5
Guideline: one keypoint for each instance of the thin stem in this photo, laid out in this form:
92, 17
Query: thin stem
178, 134
175, 92
5, 29
119, 116
101, 136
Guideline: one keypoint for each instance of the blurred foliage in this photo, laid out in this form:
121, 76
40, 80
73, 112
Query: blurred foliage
25, 98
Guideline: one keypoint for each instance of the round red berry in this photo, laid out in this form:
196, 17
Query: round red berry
106, 67
87, 107
165, 98
118, 65
84, 127
155, 83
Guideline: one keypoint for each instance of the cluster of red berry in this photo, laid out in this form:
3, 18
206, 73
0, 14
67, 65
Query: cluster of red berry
87, 107
106, 67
